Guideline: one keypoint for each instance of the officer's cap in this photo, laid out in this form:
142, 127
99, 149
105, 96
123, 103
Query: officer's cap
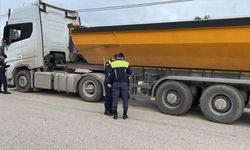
119, 55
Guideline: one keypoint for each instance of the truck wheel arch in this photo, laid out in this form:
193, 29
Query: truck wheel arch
168, 78
157, 84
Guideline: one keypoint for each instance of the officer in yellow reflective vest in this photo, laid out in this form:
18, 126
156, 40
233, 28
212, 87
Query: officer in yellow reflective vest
120, 82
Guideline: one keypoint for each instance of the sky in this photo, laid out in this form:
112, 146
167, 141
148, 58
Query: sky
150, 14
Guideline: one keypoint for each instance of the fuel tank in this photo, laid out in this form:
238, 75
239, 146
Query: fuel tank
221, 44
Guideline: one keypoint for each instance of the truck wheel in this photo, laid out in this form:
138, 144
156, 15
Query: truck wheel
222, 104
23, 81
173, 98
90, 89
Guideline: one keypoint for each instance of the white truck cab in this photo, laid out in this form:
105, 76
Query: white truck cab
39, 48
36, 34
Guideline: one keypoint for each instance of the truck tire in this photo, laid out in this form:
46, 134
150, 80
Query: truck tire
222, 104
90, 89
23, 81
173, 98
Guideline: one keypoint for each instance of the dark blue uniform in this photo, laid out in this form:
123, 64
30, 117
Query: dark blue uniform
3, 80
120, 78
108, 90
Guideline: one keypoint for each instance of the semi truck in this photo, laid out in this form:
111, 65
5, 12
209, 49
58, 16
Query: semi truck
176, 64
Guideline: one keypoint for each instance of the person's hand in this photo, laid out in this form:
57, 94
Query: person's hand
109, 85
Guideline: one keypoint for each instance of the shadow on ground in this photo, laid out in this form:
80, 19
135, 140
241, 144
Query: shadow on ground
148, 105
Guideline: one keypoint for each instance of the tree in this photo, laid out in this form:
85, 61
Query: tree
198, 18
207, 17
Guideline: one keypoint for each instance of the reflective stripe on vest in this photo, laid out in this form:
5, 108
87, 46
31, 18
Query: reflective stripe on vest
119, 63
110, 62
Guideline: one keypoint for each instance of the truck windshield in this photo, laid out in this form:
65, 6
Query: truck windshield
14, 34
17, 32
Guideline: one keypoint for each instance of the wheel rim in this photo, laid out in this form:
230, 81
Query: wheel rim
171, 98
89, 88
23, 81
220, 104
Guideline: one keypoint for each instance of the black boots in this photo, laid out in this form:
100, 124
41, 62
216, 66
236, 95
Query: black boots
115, 115
108, 113
125, 116
5, 92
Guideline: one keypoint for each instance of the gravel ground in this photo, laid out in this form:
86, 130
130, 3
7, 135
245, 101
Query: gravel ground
50, 120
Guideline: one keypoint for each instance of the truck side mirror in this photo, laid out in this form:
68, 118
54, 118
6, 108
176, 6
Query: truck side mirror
6, 35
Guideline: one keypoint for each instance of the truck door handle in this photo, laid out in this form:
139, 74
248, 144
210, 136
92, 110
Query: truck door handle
19, 57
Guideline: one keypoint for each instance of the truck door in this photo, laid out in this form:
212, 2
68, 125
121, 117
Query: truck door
13, 36
13, 46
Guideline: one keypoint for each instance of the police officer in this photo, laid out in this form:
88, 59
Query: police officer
3, 80
108, 90
120, 79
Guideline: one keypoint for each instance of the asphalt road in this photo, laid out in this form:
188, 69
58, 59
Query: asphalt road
50, 120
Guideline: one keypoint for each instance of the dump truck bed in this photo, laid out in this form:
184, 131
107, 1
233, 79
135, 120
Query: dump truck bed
222, 44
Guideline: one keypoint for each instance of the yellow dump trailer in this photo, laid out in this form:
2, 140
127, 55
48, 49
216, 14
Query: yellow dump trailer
210, 44
180, 64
